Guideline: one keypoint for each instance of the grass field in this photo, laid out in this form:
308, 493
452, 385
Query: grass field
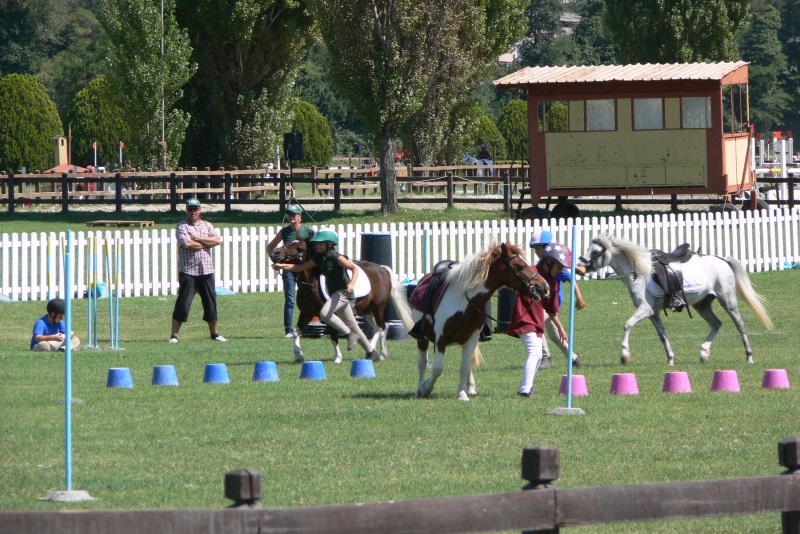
353, 440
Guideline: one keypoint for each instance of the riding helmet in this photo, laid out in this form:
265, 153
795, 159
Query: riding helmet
325, 236
558, 253
57, 306
541, 238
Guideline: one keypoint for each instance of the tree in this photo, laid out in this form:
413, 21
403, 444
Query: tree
592, 37
247, 54
30, 31
149, 65
393, 55
96, 116
789, 36
675, 31
762, 47
28, 123
544, 25
317, 142
514, 127
488, 134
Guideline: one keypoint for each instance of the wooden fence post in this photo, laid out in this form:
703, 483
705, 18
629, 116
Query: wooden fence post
243, 487
11, 192
173, 193
117, 192
337, 192
282, 192
789, 457
64, 193
507, 194
450, 189
228, 178
540, 467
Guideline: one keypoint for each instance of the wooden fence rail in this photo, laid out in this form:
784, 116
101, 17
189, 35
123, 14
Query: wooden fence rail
543, 508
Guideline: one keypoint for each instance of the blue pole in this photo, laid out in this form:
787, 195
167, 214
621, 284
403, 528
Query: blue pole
68, 363
117, 269
571, 319
109, 281
96, 290
89, 291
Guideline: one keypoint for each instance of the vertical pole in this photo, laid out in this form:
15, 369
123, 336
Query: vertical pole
450, 190
117, 269
571, 318
68, 365
109, 284
89, 290
96, 249
50, 279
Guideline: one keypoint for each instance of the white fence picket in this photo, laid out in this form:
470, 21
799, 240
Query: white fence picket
33, 264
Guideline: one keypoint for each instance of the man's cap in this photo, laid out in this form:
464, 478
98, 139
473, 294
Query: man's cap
193, 202
541, 238
294, 208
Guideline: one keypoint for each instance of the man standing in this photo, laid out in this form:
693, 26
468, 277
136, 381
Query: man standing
295, 230
196, 238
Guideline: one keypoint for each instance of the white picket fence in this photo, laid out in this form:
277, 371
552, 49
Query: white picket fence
33, 264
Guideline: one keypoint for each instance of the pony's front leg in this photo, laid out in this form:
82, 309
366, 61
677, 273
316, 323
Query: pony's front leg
337, 354
466, 378
298, 352
425, 387
625, 349
471, 389
662, 335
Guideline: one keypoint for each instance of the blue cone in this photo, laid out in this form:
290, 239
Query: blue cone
362, 369
216, 373
265, 372
119, 377
164, 375
312, 371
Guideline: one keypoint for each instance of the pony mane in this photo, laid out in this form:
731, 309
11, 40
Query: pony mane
638, 257
474, 269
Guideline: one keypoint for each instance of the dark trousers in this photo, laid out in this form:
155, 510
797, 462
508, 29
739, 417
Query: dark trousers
289, 286
188, 286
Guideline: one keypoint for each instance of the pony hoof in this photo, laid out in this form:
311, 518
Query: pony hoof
462, 396
749, 359
704, 358
625, 360
472, 392
338, 359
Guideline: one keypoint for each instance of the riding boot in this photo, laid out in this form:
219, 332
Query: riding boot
418, 331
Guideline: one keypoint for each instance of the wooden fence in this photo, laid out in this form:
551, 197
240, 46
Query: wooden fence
542, 508
30, 266
459, 184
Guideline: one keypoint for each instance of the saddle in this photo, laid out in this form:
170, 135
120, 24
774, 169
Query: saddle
429, 292
670, 280
427, 296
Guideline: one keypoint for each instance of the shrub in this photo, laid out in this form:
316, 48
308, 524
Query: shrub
28, 122
317, 139
514, 127
96, 116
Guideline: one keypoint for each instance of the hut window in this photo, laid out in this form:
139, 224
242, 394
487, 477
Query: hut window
735, 112
648, 114
601, 115
696, 112
553, 116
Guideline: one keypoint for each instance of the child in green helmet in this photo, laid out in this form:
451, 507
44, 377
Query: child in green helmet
340, 281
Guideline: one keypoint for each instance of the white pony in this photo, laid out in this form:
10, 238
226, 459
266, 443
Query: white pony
705, 278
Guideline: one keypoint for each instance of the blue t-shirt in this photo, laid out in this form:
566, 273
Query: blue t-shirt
563, 276
43, 327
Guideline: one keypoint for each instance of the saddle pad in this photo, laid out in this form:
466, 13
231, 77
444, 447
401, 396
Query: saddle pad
694, 279
418, 300
362, 289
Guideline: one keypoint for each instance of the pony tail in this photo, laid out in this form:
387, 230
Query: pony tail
400, 300
746, 292
477, 356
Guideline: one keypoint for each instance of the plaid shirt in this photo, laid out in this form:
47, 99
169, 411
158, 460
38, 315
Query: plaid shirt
194, 262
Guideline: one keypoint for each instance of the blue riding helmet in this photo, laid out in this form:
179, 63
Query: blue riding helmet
541, 238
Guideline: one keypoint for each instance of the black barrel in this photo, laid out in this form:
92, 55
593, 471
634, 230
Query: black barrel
377, 248
505, 306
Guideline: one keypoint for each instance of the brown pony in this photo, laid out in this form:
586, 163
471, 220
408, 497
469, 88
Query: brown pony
461, 311
384, 288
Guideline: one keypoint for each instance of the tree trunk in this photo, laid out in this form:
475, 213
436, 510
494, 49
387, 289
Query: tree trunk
388, 174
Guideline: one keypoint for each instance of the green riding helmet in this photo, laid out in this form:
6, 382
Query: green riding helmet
293, 208
325, 236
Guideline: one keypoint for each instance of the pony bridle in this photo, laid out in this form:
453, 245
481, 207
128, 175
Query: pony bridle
590, 262
289, 258
526, 280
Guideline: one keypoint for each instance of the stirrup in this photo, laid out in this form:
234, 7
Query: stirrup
677, 304
418, 331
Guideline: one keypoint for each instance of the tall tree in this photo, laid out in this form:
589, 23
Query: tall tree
241, 98
592, 36
544, 25
30, 31
96, 117
789, 36
149, 65
762, 47
28, 123
390, 60
675, 31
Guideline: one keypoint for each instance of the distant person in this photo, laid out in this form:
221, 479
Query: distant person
295, 230
340, 282
484, 153
196, 238
49, 332
539, 241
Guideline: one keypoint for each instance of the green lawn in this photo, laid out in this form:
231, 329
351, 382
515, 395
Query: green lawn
350, 440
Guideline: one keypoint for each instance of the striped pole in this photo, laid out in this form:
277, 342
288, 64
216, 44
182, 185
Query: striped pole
50, 276
90, 289
109, 283
117, 286
68, 363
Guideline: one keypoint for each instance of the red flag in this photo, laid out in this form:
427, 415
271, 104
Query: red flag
94, 145
121, 144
